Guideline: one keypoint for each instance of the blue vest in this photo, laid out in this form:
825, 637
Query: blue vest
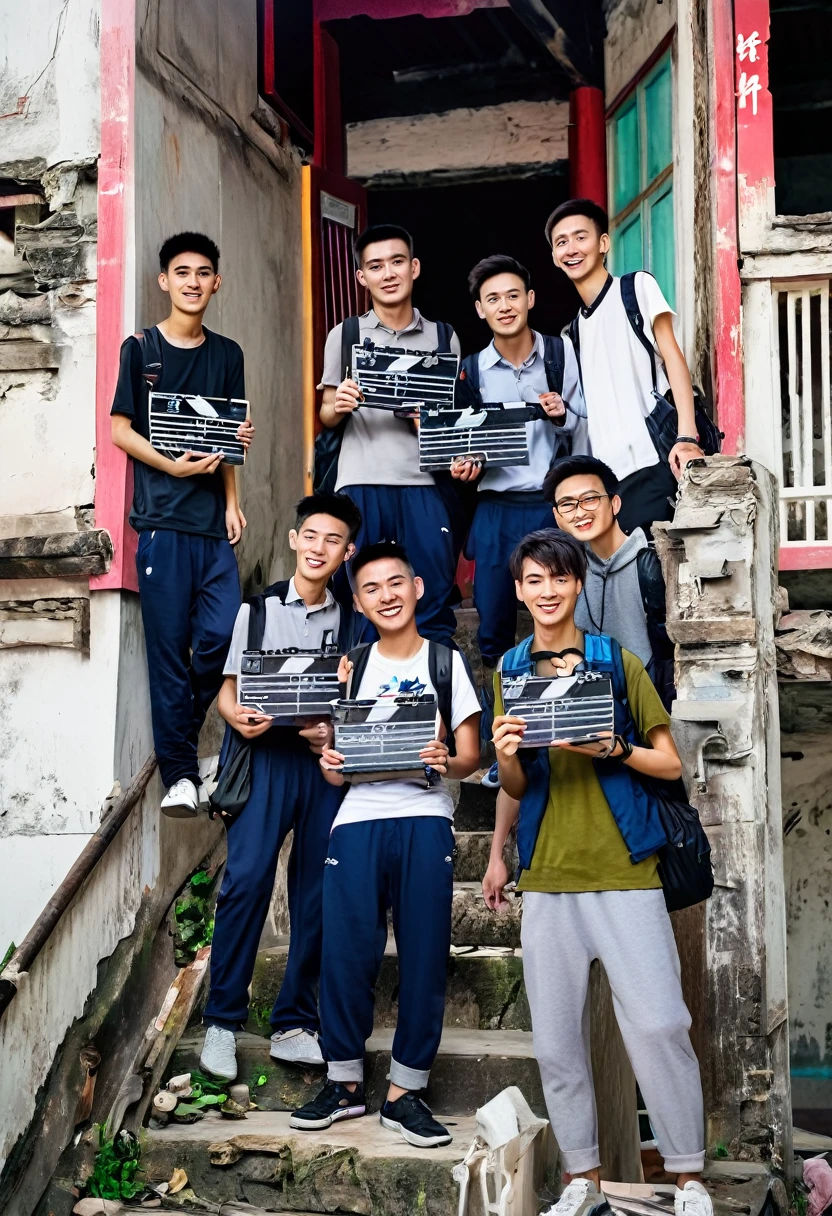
633, 808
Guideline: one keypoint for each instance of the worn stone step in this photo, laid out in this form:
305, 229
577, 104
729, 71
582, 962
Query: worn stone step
473, 850
473, 924
356, 1166
484, 992
471, 1067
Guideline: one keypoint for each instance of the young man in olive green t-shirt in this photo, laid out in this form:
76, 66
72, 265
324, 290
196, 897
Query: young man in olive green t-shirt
584, 899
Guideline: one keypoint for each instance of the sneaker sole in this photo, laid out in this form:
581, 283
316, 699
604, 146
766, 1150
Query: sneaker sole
299, 1061
222, 1076
180, 810
315, 1125
412, 1138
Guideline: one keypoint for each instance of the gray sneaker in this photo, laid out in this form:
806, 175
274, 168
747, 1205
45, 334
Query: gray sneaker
219, 1053
580, 1198
296, 1047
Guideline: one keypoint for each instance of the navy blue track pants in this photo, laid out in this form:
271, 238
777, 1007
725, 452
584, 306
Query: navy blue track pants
190, 595
405, 864
287, 791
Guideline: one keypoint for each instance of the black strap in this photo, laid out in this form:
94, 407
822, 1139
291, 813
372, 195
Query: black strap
630, 301
444, 333
651, 585
257, 613
150, 344
554, 360
359, 657
350, 337
441, 668
469, 373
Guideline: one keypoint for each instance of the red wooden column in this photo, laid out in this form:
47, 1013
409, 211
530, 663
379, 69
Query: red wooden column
588, 145
329, 130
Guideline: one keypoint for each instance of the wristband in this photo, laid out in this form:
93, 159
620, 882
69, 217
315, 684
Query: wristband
626, 748
688, 439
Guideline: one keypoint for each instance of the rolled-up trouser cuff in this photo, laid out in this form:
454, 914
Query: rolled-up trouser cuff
345, 1070
694, 1163
408, 1078
580, 1160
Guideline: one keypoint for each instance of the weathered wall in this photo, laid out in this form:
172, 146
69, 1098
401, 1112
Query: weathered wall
634, 30
203, 161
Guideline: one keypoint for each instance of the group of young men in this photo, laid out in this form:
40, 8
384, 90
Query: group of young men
565, 534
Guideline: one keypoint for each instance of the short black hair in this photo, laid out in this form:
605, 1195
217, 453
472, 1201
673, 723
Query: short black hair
553, 549
498, 263
578, 466
578, 206
375, 553
339, 506
380, 232
189, 242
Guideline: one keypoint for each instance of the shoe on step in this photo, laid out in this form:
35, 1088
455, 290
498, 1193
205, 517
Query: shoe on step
219, 1053
414, 1120
296, 1047
333, 1103
693, 1200
182, 800
491, 780
580, 1198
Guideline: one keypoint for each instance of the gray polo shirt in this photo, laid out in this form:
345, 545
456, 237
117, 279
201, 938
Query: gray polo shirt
379, 449
289, 624
502, 381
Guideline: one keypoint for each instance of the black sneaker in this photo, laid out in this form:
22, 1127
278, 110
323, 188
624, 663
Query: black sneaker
334, 1102
413, 1118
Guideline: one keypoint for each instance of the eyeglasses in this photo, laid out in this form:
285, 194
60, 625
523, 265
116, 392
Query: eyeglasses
589, 502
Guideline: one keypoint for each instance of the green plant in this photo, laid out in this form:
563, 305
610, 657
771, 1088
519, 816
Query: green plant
7, 955
800, 1202
721, 1151
259, 1078
193, 916
116, 1167
200, 1084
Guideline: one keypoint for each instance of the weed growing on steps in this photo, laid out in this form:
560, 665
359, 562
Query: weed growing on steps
194, 917
721, 1151
116, 1169
7, 956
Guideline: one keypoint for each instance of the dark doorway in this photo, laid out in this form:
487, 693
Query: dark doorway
800, 80
454, 226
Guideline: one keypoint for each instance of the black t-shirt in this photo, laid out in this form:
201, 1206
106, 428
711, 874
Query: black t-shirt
214, 369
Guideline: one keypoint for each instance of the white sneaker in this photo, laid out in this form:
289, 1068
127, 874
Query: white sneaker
694, 1200
296, 1047
181, 800
219, 1053
580, 1196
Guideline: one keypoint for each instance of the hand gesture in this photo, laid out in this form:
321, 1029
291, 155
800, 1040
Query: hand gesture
348, 397
331, 759
318, 732
250, 722
245, 433
235, 521
496, 878
680, 455
466, 468
188, 464
508, 734
344, 669
552, 404
435, 755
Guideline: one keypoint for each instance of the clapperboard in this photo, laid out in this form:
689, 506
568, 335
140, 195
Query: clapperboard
382, 738
404, 379
185, 422
290, 684
494, 433
561, 709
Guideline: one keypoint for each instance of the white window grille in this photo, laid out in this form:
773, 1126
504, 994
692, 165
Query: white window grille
801, 346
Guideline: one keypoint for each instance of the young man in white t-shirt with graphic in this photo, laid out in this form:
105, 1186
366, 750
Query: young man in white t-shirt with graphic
392, 846
615, 365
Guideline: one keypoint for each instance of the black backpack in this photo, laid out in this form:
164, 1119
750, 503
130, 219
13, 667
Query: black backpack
440, 667
653, 598
662, 422
328, 441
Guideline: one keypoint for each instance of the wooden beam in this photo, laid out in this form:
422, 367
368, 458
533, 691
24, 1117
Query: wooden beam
571, 33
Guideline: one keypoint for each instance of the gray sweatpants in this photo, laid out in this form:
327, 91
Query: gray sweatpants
630, 933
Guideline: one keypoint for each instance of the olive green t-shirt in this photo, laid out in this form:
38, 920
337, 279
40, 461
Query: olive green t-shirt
579, 846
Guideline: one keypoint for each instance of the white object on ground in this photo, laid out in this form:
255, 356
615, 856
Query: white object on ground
500, 1161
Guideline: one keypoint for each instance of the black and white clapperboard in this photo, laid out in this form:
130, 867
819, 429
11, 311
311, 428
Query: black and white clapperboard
561, 709
186, 422
495, 433
404, 380
290, 684
382, 738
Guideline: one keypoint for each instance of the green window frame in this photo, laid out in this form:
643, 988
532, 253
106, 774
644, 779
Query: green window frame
642, 228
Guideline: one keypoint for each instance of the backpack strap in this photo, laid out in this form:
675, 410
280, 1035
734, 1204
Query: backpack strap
554, 360
575, 339
444, 333
469, 381
359, 657
651, 585
603, 653
150, 345
257, 613
441, 669
630, 301
350, 337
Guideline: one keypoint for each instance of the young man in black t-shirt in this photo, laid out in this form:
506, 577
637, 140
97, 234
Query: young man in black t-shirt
186, 513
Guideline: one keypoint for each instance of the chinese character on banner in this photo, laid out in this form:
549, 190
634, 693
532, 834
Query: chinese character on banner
748, 86
747, 47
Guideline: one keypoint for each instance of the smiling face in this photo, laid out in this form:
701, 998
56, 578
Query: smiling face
577, 246
504, 303
190, 280
322, 543
550, 598
583, 507
388, 272
387, 593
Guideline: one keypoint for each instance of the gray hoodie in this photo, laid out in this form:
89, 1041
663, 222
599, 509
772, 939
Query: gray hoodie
611, 600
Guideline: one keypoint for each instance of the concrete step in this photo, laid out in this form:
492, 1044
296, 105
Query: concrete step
473, 850
484, 992
356, 1166
473, 924
471, 1067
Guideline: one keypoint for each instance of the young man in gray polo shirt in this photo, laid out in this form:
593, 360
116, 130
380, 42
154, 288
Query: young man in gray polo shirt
378, 465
